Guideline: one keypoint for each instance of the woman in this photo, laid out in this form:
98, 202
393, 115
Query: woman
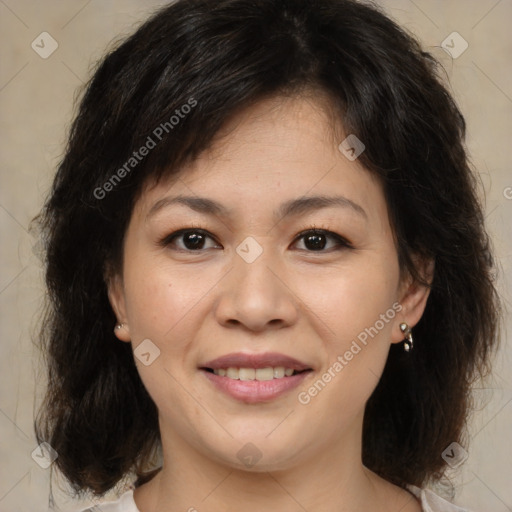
269, 277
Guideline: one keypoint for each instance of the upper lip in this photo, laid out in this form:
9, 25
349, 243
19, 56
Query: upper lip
244, 360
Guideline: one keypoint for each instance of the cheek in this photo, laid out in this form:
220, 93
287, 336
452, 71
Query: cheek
164, 306
159, 298
359, 306
351, 299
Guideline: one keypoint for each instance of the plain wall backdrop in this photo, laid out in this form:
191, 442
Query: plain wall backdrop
37, 103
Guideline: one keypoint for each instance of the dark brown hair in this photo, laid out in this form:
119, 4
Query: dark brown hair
222, 56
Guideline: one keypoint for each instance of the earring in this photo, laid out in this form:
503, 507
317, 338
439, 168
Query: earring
119, 326
408, 342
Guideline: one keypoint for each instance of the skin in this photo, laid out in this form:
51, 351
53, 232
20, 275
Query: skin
199, 305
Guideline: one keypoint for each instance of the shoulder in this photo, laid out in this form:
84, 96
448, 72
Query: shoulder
431, 502
125, 503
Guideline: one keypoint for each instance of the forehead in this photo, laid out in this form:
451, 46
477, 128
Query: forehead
277, 150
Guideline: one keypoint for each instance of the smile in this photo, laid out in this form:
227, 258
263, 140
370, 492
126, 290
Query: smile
255, 378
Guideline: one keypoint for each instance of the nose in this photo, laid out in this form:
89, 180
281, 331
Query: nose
256, 296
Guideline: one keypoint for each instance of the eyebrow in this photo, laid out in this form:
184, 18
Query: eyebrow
292, 207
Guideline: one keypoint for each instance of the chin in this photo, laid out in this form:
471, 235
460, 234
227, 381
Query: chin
259, 454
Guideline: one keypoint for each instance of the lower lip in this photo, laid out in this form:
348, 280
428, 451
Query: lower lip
255, 391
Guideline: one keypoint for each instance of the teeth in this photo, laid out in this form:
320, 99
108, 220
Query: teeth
232, 373
264, 374
279, 372
260, 374
246, 373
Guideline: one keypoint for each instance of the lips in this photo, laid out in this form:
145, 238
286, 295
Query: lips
229, 374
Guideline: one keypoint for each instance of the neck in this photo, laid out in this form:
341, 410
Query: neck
192, 481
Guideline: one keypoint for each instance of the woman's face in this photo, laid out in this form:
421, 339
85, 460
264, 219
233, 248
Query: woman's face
249, 285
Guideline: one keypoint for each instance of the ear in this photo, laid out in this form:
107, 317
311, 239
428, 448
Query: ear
413, 298
117, 300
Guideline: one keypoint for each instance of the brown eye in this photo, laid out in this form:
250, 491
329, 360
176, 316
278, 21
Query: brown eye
189, 240
193, 240
315, 242
319, 239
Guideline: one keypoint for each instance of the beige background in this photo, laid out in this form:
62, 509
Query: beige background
36, 100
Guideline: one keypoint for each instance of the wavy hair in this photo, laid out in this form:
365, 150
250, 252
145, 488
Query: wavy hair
225, 55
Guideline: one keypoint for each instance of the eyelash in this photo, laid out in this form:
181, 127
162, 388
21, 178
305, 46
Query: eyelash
341, 242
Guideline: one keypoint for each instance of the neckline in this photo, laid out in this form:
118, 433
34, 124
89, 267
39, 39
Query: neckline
129, 497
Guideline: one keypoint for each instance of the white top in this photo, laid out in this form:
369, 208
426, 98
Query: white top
430, 502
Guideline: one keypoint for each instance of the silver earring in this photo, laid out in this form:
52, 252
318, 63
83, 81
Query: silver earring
119, 326
408, 342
